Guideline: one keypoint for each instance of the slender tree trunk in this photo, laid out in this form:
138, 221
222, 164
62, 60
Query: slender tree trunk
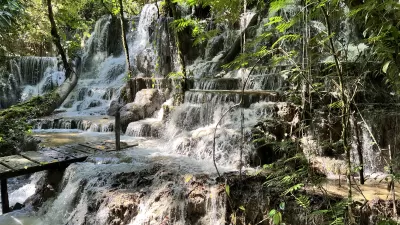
392, 182
57, 40
344, 109
124, 42
359, 151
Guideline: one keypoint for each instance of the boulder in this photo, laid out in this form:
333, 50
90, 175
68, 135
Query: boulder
115, 106
147, 101
150, 99
129, 113
94, 103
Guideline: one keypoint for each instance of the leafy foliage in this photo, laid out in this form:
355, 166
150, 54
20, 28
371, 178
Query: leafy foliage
381, 31
14, 121
10, 10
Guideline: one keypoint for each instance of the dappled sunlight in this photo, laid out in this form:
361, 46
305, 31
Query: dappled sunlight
372, 189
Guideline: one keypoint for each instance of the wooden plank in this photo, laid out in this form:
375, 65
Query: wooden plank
92, 147
17, 162
101, 147
130, 146
38, 157
55, 155
70, 151
83, 149
5, 206
4, 169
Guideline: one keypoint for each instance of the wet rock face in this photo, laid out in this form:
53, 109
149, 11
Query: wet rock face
153, 193
123, 208
214, 46
46, 188
144, 62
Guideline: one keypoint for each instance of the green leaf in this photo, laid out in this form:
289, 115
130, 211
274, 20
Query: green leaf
386, 66
272, 213
277, 218
242, 208
227, 190
282, 206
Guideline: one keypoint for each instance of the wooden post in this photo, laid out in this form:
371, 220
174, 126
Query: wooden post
392, 183
117, 131
4, 196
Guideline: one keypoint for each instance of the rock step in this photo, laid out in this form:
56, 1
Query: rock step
256, 82
217, 97
104, 124
145, 128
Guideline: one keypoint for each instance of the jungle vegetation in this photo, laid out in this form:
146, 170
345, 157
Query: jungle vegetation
32, 27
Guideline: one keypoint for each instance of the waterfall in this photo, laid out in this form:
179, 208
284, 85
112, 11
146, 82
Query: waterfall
147, 16
28, 76
32, 69
103, 74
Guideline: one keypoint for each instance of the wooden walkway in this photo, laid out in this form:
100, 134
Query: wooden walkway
45, 159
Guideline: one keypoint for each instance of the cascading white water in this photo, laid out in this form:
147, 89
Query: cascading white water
32, 69
137, 187
103, 77
147, 16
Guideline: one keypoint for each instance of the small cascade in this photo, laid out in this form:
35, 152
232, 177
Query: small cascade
145, 128
32, 69
141, 51
28, 76
192, 125
94, 124
216, 97
95, 50
385, 126
216, 208
216, 84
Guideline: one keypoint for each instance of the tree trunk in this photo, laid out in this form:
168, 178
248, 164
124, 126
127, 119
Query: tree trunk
124, 42
57, 40
345, 110
359, 151
392, 182
158, 9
